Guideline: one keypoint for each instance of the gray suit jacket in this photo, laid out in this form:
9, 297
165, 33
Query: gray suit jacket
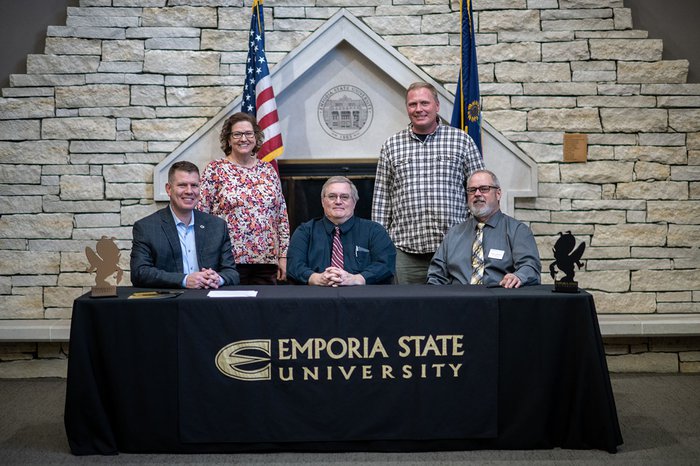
156, 257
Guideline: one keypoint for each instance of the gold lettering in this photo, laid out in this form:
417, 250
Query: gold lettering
457, 347
430, 346
387, 372
343, 348
366, 371
438, 369
282, 345
335, 348
347, 374
443, 340
378, 348
408, 350
354, 346
319, 345
310, 373
404, 351
297, 348
438, 345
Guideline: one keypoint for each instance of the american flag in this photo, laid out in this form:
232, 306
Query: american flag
258, 96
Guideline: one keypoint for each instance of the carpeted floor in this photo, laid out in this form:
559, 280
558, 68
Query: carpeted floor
659, 417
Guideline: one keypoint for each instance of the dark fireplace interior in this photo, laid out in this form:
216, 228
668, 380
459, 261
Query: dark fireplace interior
302, 182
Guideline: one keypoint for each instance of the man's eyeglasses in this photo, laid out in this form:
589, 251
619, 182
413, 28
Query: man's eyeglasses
247, 134
333, 197
482, 189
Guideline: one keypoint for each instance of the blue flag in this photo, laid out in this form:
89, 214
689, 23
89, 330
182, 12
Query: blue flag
466, 114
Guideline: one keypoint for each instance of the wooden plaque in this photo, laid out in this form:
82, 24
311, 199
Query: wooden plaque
575, 147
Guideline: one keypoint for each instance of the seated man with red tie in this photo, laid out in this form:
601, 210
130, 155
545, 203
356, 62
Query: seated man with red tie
340, 249
490, 248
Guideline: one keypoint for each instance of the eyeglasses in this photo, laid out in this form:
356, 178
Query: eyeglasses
482, 189
239, 135
333, 197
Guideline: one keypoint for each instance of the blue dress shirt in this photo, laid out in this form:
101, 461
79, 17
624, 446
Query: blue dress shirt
187, 246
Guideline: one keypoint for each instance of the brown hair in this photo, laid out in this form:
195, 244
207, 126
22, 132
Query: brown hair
225, 136
183, 166
423, 85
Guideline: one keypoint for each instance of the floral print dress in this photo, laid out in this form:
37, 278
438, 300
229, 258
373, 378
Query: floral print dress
251, 202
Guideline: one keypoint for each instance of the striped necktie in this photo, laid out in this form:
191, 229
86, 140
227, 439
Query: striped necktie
337, 252
478, 256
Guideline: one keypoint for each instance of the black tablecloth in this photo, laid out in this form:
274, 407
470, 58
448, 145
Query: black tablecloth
142, 375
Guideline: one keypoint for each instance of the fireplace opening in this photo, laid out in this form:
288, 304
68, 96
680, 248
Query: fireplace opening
302, 181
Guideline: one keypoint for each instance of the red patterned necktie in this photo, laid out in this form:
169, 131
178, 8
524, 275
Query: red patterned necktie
337, 252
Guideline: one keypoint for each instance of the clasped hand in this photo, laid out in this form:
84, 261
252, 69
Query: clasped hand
206, 278
334, 276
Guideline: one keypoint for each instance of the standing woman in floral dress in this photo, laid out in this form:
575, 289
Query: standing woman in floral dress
247, 193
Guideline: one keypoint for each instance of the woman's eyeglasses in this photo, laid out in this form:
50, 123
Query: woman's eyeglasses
239, 135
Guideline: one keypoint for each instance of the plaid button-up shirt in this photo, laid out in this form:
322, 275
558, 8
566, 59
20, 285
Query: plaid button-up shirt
419, 190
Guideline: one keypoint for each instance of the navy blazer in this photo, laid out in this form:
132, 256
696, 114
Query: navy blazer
156, 256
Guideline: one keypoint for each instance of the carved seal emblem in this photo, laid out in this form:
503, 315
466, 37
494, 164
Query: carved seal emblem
345, 112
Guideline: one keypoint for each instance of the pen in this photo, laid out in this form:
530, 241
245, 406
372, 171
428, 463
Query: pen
150, 294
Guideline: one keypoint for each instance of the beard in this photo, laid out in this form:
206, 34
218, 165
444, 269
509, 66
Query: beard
481, 210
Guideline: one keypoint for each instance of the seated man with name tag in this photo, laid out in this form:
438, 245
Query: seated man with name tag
490, 248
340, 249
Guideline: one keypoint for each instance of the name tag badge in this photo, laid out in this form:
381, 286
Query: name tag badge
496, 254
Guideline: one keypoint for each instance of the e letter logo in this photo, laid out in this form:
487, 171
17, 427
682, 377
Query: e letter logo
242, 360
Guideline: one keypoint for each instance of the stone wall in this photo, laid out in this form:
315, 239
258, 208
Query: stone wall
124, 82
661, 354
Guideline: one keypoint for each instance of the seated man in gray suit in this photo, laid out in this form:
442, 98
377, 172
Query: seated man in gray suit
179, 247
490, 248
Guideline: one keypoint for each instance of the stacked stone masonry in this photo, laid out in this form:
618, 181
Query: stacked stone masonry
124, 82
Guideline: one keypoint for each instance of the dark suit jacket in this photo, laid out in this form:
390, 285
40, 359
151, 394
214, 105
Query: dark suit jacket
367, 250
156, 257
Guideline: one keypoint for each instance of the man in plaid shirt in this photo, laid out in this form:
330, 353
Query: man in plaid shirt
419, 190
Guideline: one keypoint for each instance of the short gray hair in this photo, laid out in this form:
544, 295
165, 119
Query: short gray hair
494, 178
340, 179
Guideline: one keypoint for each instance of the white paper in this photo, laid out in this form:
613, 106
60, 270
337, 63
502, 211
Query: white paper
232, 294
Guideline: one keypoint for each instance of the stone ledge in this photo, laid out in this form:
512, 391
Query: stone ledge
649, 325
35, 330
